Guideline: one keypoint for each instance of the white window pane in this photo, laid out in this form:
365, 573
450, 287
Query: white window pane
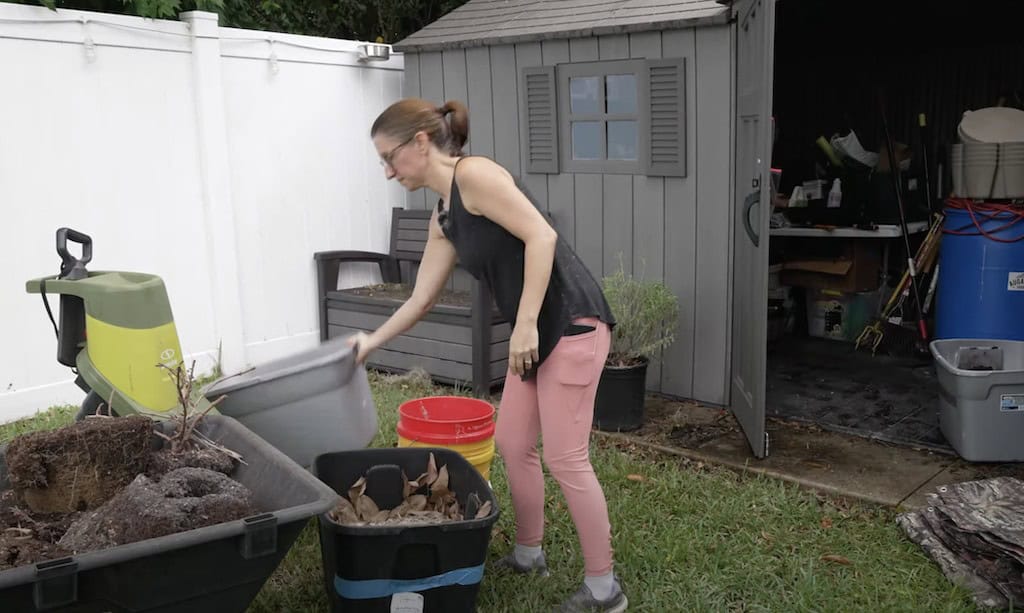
622, 140
585, 94
621, 93
586, 140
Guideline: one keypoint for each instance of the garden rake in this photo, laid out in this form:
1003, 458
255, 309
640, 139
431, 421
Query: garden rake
889, 329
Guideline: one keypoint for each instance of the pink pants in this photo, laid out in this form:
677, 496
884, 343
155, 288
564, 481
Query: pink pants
559, 404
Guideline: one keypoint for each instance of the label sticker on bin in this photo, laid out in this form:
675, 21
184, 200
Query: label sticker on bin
407, 602
1015, 282
1011, 402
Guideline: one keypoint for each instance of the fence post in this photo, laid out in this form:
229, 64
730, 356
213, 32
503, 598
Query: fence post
215, 172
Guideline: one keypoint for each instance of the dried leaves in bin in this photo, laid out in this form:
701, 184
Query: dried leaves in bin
426, 499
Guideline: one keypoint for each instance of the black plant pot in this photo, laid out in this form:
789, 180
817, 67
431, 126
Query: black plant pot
620, 398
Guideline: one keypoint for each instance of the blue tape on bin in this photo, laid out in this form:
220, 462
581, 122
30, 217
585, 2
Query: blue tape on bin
379, 588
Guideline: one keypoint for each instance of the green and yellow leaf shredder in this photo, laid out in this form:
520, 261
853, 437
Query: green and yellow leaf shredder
116, 331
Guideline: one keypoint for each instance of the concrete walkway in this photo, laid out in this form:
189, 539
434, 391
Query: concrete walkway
824, 461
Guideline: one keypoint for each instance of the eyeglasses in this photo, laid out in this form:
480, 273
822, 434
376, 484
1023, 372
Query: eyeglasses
385, 159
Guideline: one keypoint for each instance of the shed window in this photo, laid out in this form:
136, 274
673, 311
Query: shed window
624, 116
600, 116
613, 99
587, 140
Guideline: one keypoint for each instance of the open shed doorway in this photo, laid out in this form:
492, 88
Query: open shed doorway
832, 59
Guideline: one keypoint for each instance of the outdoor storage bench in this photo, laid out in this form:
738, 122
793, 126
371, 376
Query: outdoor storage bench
462, 341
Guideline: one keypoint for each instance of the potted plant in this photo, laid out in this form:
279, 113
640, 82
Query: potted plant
646, 313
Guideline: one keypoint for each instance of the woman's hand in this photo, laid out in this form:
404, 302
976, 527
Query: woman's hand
363, 344
522, 348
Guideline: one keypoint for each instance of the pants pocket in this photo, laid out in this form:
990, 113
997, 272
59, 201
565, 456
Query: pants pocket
572, 360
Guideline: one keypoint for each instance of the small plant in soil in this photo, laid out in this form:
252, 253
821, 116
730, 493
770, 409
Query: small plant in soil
424, 500
107, 481
187, 446
646, 314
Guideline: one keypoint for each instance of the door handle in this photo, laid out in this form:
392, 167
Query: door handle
753, 198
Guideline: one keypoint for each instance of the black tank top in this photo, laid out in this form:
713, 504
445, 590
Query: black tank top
491, 253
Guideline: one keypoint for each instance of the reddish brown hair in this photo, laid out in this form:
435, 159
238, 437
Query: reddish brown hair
447, 126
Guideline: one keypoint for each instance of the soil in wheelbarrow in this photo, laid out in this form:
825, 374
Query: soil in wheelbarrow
105, 481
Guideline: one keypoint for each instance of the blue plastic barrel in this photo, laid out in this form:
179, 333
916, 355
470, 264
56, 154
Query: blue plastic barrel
980, 291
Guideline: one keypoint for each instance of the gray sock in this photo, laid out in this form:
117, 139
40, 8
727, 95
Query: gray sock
601, 586
527, 555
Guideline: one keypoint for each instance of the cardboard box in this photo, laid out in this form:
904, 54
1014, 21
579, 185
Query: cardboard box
856, 269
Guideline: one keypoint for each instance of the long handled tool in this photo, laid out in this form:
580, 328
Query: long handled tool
926, 159
923, 262
894, 170
888, 326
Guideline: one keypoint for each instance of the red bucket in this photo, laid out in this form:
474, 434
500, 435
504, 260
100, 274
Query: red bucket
446, 420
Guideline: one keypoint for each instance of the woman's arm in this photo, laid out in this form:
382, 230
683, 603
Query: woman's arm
488, 189
435, 267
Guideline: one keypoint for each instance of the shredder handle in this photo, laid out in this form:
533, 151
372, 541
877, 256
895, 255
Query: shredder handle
73, 268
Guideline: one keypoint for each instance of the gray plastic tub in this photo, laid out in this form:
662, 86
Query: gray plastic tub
981, 400
306, 404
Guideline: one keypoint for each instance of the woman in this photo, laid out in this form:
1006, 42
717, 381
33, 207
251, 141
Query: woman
561, 327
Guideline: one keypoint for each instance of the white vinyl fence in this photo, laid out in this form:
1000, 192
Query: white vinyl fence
220, 159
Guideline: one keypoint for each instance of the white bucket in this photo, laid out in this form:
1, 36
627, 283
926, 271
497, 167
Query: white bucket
1013, 178
956, 158
988, 170
999, 183
992, 125
1009, 180
1011, 149
980, 151
978, 177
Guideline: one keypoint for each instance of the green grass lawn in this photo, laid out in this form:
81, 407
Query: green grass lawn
687, 537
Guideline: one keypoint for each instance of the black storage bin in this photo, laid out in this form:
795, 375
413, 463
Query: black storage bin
214, 569
366, 568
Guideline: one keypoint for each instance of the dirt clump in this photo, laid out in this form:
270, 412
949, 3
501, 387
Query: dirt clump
109, 481
166, 460
20, 547
80, 466
183, 499
24, 539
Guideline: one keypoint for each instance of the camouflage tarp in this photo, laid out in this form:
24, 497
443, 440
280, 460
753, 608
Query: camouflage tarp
974, 531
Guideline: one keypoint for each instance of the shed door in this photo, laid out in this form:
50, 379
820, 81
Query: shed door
755, 24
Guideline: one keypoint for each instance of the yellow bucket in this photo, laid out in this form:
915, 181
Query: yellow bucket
479, 454
461, 424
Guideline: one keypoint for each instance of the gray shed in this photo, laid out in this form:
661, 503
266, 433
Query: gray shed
658, 192
647, 130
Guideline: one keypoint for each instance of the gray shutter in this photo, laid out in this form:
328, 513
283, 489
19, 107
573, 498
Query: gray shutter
539, 127
666, 120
